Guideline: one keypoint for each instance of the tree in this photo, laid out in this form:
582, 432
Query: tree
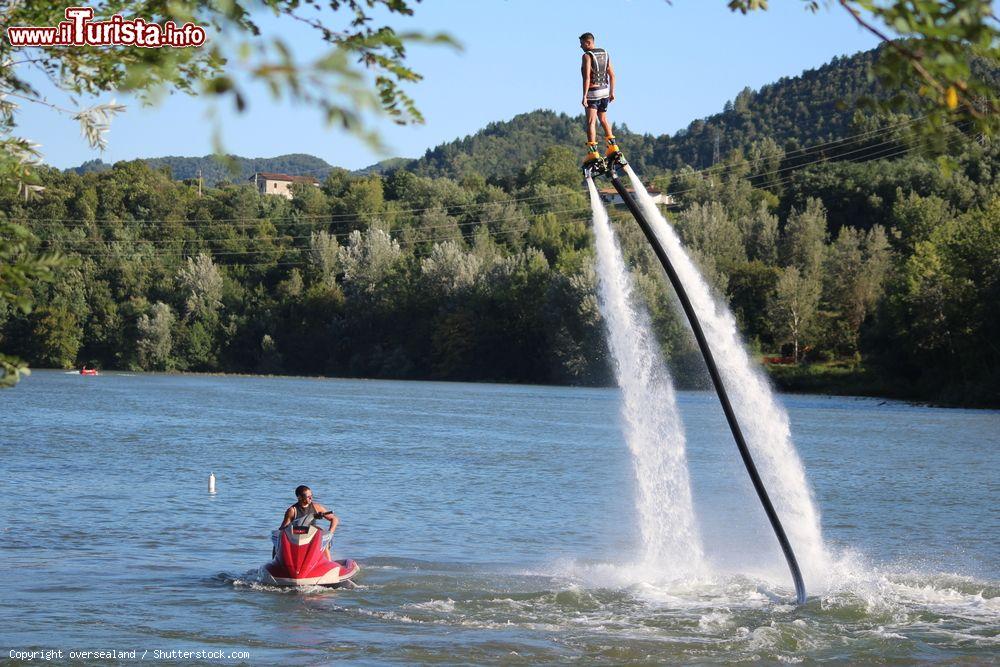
449, 269
709, 230
943, 306
805, 238
201, 280
360, 72
792, 307
761, 238
324, 257
18, 270
765, 158
932, 60
917, 217
155, 339
368, 259
556, 167
856, 269
56, 336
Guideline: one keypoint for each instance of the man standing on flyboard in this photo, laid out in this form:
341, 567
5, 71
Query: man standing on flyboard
598, 92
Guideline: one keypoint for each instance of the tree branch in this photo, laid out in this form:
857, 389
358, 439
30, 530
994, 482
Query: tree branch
895, 45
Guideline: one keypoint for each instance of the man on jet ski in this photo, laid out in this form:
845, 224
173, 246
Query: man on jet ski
305, 511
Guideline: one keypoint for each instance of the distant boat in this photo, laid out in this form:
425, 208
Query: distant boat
88, 371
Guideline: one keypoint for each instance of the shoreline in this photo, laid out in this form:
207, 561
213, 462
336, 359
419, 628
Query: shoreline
818, 379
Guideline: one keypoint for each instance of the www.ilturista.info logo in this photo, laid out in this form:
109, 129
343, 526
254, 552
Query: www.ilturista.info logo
79, 30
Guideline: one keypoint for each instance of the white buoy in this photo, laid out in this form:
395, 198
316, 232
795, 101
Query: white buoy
211, 482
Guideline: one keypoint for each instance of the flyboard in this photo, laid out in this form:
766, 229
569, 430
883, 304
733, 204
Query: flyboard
609, 167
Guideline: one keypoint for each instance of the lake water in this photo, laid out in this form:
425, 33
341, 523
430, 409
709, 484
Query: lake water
493, 524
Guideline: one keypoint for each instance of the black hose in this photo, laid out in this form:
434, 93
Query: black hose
720, 389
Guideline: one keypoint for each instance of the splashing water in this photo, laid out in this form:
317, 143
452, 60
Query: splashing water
765, 423
671, 543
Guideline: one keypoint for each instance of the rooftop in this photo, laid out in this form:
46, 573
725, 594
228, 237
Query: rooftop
271, 176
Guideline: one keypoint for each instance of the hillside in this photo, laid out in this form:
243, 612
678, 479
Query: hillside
215, 171
814, 107
801, 110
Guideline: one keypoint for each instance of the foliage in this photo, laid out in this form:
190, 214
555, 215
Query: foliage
213, 169
361, 71
18, 271
406, 276
488, 274
930, 64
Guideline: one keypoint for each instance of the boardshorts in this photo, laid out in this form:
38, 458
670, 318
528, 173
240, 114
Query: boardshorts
601, 105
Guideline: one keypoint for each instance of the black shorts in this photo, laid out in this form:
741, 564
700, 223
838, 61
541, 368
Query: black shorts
601, 105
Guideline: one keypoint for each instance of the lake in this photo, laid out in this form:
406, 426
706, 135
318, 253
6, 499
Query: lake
493, 523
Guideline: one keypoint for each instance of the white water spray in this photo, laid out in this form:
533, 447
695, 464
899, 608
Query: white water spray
671, 543
765, 423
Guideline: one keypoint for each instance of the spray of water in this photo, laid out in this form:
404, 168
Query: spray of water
765, 423
671, 543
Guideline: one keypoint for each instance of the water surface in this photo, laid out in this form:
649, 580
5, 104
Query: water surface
494, 524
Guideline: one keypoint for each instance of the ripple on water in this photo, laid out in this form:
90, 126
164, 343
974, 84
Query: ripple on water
872, 615
471, 525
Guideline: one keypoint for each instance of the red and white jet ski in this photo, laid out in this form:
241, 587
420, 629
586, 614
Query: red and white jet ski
300, 560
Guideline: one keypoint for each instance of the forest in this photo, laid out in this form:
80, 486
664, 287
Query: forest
855, 259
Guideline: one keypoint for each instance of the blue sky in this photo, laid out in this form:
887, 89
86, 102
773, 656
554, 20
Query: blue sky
675, 63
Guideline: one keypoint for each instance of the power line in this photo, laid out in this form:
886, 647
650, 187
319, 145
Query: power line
356, 217
307, 236
276, 251
798, 167
889, 151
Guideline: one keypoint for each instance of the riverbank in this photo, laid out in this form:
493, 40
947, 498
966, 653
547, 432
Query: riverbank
849, 378
834, 378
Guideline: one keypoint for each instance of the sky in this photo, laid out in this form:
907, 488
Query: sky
674, 63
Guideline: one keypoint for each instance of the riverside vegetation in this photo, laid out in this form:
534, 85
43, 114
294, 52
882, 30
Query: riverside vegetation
839, 246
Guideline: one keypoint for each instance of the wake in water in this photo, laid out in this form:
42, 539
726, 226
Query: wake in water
765, 423
671, 544
552, 617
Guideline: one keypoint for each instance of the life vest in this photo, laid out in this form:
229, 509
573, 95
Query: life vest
304, 517
600, 83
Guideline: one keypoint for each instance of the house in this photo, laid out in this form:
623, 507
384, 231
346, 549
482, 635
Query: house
611, 196
268, 183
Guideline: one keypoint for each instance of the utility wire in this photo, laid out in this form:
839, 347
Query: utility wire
301, 218
887, 150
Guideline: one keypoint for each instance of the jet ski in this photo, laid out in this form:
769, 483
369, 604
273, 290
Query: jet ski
300, 559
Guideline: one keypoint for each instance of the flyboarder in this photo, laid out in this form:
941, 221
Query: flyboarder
598, 92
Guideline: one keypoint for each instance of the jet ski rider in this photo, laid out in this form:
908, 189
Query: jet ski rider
305, 511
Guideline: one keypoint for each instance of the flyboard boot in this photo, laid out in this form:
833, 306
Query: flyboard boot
594, 163
613, 155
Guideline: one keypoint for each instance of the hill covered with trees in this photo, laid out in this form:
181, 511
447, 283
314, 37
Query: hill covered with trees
816, 107
880, 266
233, 169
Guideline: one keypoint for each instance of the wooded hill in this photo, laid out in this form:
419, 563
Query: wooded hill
816, 107
235, 169
884, 265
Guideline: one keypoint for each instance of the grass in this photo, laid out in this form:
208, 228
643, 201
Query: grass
841, 378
